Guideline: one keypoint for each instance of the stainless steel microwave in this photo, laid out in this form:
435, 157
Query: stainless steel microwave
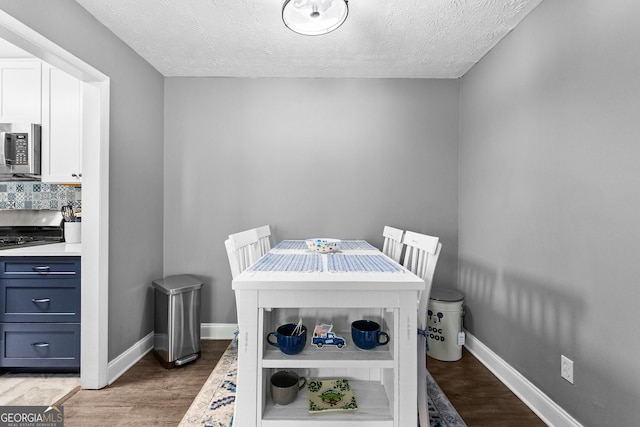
20, 151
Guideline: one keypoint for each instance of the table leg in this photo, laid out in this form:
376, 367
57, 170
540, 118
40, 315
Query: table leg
407, 363
246, 409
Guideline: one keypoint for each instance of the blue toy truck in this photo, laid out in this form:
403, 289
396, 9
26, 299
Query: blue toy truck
322, 336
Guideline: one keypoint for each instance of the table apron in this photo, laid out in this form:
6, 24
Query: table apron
333, 299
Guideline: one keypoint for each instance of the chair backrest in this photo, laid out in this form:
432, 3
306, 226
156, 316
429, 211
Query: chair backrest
264, 239
392, 246
233, 259
242, 250
423, 303
421, 257
420, 252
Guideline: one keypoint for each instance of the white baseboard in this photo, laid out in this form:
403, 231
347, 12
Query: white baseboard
126, 360
122, 363
545, 408
218, 331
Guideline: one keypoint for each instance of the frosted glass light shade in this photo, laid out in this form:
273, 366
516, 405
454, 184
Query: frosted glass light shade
314, 17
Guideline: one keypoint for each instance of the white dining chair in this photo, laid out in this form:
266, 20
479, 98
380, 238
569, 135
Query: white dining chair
242, 250
392, 246
421, 257
264, 239
233, 260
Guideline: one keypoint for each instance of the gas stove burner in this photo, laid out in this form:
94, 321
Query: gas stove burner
19, 228
15, 240
20, 241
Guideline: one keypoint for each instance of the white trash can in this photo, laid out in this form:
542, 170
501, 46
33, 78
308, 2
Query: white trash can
444, 322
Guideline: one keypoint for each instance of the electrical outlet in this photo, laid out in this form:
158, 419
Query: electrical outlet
566, 368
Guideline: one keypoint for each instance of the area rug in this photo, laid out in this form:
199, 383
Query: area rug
214, 404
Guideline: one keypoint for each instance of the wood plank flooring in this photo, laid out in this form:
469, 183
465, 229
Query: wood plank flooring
146, 395
149, 395
478, 396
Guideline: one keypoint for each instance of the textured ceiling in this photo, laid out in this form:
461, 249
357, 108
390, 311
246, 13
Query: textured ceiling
246, 38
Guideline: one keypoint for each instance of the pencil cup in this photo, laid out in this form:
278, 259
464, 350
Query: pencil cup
73, 232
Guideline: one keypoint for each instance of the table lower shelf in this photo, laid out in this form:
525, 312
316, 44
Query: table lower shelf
373, 410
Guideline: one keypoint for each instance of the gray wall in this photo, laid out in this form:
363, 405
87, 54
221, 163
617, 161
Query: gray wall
550, 204
136, 158
310, 157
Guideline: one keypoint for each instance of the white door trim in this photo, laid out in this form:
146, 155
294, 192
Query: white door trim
95, 195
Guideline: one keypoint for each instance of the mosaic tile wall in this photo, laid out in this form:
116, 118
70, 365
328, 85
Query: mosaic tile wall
38, 196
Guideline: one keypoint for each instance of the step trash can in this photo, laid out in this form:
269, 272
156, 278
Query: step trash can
176, 340
444, 321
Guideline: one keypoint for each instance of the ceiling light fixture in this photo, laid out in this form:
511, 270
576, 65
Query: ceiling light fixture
314, 17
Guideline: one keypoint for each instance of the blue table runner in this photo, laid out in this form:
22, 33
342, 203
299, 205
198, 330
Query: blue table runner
336, 262
344, 245
339, 263
288, 262
291, 244
356, 244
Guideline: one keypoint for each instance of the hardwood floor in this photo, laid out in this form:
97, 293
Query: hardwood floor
478, 396
146, 395
149, 395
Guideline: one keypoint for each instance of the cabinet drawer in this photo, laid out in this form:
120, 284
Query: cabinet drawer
40, 267
36, 300
40, 345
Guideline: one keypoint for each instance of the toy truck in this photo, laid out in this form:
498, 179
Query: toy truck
322, 335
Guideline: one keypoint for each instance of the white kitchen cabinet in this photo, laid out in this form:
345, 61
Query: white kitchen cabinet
61, 127
20, 91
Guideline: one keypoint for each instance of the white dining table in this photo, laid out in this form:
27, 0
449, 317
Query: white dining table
291, 283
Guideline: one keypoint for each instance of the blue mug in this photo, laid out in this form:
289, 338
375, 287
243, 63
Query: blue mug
286, 341
366, 334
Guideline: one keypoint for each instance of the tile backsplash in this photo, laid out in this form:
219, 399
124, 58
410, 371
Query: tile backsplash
38, 196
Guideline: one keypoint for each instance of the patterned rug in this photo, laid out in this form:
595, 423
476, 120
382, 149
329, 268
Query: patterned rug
214, 405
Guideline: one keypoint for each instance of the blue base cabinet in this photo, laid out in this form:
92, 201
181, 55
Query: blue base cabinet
40, 312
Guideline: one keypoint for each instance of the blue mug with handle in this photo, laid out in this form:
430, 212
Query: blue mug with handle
366, 334
286, 341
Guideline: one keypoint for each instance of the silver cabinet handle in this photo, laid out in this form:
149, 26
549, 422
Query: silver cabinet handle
40, 344
40, 300
44, 269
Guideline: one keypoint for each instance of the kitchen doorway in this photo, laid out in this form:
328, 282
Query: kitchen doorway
95, 195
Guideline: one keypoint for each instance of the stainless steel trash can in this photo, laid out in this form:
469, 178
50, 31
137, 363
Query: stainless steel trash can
444, 321
176, 339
